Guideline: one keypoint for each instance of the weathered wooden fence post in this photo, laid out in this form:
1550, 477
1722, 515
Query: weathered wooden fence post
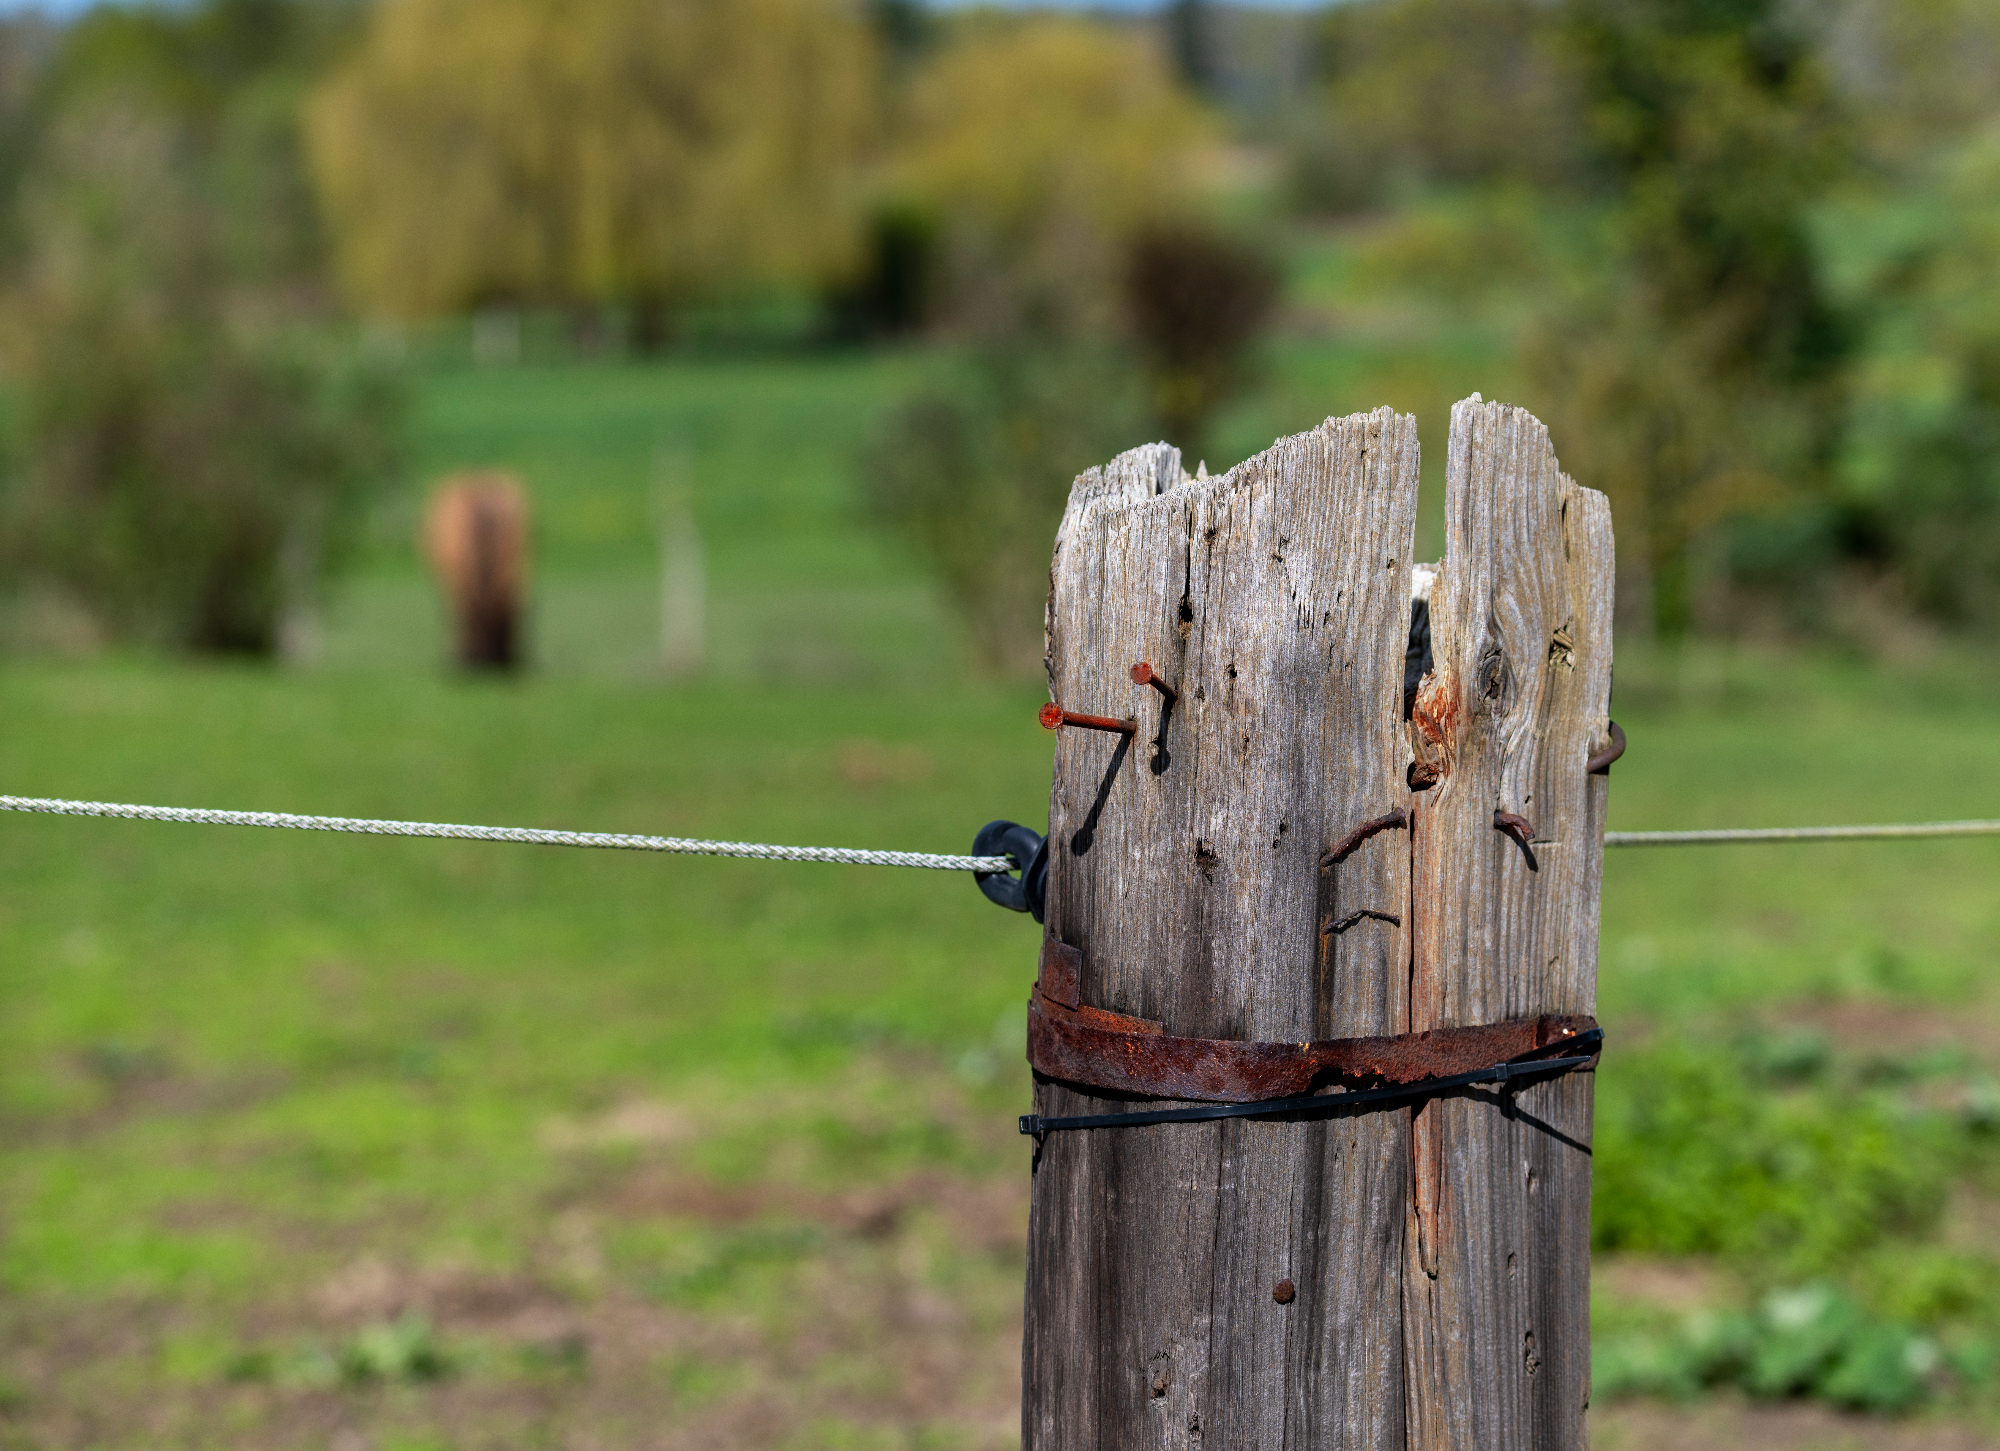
1390, 1278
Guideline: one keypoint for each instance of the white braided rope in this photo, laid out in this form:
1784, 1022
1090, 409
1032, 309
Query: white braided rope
1800, 833
762, 851
765, 851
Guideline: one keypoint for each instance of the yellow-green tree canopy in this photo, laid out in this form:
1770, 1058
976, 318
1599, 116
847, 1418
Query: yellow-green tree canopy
644, 150
1041, 144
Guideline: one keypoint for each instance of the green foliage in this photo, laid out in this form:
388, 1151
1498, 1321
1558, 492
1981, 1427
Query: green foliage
400, 1350
174, 469
1713, 1149
896, 291
480, 151
383, 1352
1815, 1180
1921, 461
192, 461
975, 473
1197, 300
229, 75
1052, 154
1433, 91
1040, 145
1810, 1341
1700, 380
1772, 356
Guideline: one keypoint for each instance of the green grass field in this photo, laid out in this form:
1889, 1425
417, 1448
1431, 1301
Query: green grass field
345, 1142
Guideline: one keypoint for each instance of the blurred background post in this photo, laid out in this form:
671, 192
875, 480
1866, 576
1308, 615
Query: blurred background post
683, 575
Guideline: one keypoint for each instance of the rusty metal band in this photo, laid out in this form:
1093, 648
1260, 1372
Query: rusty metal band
1077, 1043
1514, 1068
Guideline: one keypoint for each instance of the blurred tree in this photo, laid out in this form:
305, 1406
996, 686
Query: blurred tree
1921, 462
26, 44
1040, 145
1032, 151
1434, 91
1745, 265
895, 292
1197, 299
974, 471
905, 30
187, 474
1188, 36
1925, 73
635, 151
1705, 380
230, 76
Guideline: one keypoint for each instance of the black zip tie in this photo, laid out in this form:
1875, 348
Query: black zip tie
1521, 1067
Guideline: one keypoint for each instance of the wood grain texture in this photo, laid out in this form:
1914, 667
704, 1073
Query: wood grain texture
1440, 1255
1185, 864
1496, 1277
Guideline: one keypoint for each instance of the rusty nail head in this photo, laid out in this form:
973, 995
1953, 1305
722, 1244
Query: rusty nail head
1283, 1292
1144, 674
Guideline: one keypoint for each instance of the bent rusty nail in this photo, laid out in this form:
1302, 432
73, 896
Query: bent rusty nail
1361, 833
1054, 718
1517, 827
1600, 764
1144, 674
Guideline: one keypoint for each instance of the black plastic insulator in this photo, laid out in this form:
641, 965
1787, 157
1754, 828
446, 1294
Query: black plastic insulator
1027, 892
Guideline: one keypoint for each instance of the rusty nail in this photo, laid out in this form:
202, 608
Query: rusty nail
1361, 833
1600, 764
1421, 776
1283, 1292
1517, 827
1144, 674
1054, 718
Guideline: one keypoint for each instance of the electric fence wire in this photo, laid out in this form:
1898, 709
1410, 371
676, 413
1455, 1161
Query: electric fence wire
1801, 833
533, 836
767, 851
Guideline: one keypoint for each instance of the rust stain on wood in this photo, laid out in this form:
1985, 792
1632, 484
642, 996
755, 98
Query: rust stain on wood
1522, 606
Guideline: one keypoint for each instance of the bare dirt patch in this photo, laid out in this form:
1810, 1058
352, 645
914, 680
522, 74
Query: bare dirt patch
1722, 1425
1678, 1285
899, 1322
1875, 1027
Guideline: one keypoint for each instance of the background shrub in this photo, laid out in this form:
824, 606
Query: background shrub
974, 473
